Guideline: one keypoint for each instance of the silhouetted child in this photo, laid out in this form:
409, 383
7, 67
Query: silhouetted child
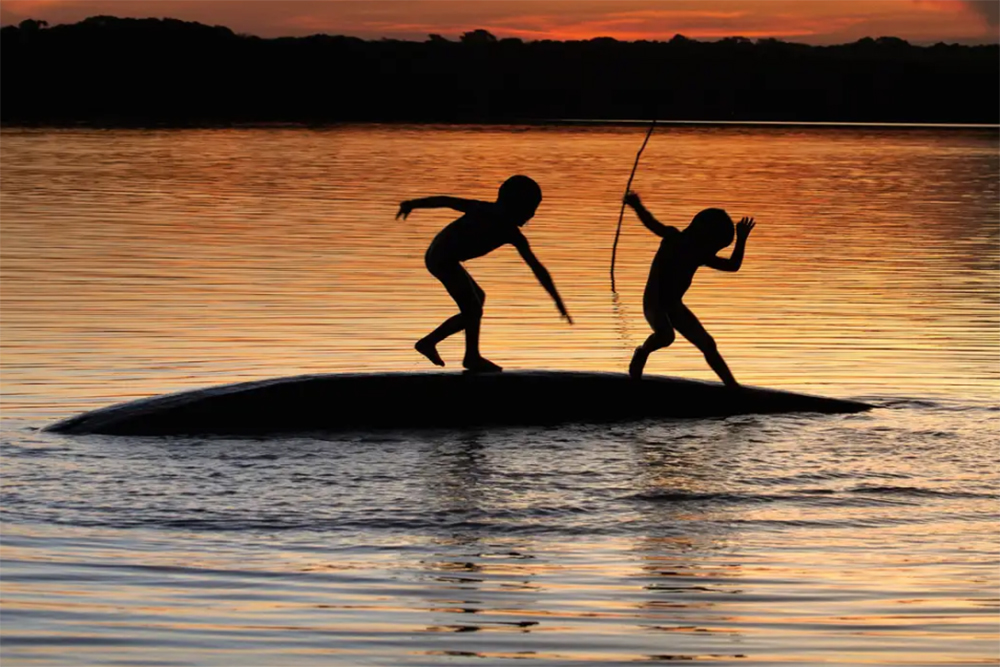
679, 256
485, 227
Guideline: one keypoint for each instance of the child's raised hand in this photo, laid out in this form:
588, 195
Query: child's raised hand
743, 228
404, 210
632, 199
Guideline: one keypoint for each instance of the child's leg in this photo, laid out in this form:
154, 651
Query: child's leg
473, 315
662, 336
427, 345
470, 298
689, 326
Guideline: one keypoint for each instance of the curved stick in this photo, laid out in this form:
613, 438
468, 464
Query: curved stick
614, 249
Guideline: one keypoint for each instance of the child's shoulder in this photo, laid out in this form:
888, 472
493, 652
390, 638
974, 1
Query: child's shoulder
480, 205
477, 208
671, 239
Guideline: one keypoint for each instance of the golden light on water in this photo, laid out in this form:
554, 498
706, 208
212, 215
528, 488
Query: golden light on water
188, 258
140, 262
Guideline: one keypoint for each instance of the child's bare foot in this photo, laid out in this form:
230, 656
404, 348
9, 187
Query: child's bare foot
429, 350
638, 363
480, 365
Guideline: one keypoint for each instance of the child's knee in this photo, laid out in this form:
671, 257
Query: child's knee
707, 345
659, 339
473, 310
664, 338
480, 296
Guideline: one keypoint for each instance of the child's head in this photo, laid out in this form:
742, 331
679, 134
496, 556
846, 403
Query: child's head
520, 196
712, 229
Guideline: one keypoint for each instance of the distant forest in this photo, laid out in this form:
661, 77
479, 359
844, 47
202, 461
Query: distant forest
111, 71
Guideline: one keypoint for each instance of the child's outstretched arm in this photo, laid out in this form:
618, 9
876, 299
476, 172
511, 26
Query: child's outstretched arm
652, 224
541, 273
735, 261
457, 203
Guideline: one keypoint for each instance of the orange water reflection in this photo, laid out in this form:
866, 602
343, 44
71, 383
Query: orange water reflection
136, 262
584, 604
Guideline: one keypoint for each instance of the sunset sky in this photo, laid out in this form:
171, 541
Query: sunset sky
813, 21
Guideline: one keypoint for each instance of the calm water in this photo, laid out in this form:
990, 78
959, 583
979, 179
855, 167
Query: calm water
141, 262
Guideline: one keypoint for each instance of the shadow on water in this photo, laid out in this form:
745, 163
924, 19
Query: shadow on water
688, 558
675, 591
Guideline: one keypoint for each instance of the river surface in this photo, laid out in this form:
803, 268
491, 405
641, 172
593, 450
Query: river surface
138, 262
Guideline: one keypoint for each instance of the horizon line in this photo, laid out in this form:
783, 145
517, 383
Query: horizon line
522, 122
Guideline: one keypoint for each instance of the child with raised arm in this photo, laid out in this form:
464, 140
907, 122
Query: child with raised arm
673, 268
484, 227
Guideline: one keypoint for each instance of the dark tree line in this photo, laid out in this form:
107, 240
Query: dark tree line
107, 70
